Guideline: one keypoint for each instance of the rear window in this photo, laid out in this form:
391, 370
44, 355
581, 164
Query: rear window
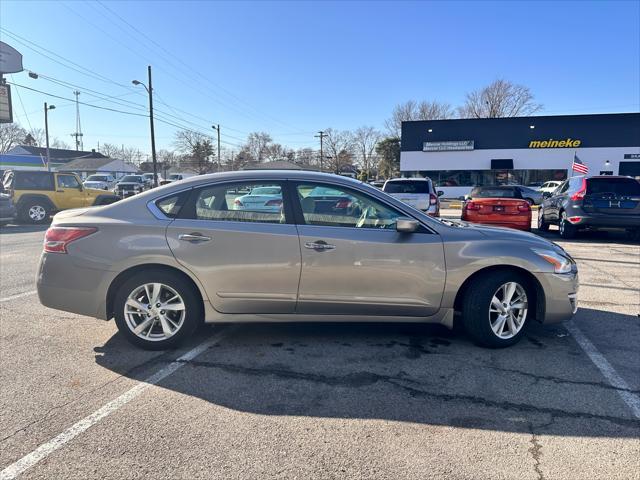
408, 186
29, 180
495, 192
619, 186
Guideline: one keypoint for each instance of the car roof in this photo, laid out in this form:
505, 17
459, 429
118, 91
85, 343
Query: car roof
409, 180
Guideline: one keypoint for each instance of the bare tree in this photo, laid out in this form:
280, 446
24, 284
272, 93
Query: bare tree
412, 110
338, 146
110, 150
275, 151
35, 138
364, 141
257, 145
499, 99
11, 134
306, 157
197, 149
57, 143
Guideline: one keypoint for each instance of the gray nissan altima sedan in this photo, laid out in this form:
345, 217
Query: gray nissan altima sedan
329, 248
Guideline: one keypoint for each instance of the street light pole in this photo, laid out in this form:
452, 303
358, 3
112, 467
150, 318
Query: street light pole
46, 131
217, 128
321, 136
153, 134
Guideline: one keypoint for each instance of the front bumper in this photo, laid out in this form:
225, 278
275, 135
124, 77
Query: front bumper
560, 296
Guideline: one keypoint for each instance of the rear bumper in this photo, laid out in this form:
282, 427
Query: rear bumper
560, 296
606, 221
63, 285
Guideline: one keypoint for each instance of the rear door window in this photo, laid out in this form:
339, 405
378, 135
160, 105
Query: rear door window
407, 186
617, 186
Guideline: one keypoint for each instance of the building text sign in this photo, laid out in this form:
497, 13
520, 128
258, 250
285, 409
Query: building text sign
448, 146
551, 143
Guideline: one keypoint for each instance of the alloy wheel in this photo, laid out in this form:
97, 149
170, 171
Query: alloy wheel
37, 213
508, 310
154, 311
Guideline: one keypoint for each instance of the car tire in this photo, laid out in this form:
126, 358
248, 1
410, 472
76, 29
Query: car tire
130, 320
479, 316
543, 226
34, 212
567, 230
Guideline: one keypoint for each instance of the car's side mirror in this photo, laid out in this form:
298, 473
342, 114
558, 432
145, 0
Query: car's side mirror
406, 225
440, 193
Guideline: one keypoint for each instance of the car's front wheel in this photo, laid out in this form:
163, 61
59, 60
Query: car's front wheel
543, 226
495, 308
157, 310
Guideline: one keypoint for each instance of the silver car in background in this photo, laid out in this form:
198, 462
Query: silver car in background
165, 260
100, 181
417, 192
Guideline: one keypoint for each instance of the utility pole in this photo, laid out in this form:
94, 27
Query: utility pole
46, 131
321, 136
149, 89
217, 129
78, 133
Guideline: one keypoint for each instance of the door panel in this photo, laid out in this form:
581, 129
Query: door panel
68, 192
354, 262
247, 260
370, 272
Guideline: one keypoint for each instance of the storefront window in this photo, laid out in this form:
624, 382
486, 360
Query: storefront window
471, 178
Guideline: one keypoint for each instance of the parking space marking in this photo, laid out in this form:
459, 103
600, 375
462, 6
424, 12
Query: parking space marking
19, 295
46, 449
614, 379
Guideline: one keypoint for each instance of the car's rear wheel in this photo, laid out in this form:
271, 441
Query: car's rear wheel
495, 308
567, 230
543, 226
157, 310
34, 212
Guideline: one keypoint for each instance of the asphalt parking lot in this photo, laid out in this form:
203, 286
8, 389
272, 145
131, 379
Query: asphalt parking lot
323, 400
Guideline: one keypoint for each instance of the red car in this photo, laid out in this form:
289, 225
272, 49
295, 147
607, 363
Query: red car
501, 206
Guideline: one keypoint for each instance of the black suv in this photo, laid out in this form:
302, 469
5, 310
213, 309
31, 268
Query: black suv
593, 203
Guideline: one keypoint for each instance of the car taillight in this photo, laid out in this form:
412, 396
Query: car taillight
238, 203
57, 238
524, 207
343, 204
274, 203
471, 206
579, 195
433, 199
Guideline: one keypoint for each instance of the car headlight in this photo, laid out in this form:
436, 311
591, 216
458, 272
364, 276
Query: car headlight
561, 264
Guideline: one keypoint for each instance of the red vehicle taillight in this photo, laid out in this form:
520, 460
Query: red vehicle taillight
579, 195
433, 199
57, 238
471, 206
273, 203
343, 204
525, 207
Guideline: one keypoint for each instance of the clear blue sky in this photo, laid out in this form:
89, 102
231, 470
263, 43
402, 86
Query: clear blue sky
292, 68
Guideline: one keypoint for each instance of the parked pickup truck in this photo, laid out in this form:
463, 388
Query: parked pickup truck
37, 195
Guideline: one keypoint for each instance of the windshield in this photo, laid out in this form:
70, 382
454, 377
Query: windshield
619, 186
131, 178
174, 176
97, 178
407, 186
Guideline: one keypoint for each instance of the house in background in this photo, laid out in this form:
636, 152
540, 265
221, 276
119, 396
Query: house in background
88, 166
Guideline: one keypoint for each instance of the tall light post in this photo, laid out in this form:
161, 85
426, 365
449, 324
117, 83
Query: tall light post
46, 130
149, 90
217, 129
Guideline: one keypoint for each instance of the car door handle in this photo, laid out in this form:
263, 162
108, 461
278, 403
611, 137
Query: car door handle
193, 237
319, 245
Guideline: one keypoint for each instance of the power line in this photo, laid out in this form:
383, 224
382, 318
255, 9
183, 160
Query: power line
23, 109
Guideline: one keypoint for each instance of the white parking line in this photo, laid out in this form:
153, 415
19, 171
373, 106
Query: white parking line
19, 295
44, 450
631, 399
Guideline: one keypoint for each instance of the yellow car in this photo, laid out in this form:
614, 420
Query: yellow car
37, 195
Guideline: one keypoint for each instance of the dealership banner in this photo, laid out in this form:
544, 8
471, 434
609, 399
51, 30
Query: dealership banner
449, 146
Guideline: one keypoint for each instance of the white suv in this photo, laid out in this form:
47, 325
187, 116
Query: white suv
417, 192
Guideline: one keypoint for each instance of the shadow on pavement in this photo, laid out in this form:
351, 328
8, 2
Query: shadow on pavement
6, 229
395, 372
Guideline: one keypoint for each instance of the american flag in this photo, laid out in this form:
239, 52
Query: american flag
578, 166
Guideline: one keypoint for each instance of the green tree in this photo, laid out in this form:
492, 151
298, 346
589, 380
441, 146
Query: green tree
389, 151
